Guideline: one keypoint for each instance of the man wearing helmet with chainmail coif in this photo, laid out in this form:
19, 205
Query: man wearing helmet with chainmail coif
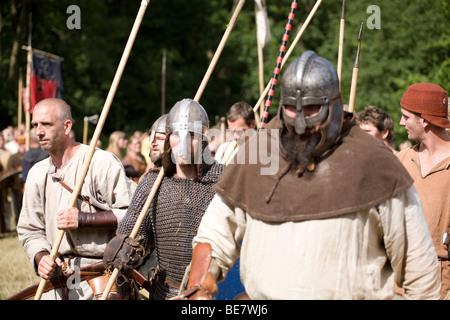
338, 220
178, 206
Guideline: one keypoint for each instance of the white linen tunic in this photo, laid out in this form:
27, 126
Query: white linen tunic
105, 184
353, 256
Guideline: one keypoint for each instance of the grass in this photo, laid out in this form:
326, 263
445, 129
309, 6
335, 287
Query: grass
16, 272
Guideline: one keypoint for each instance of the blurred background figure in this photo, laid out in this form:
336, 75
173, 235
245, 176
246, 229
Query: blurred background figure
5, 207
377, 123
9, 142
157, 139
33, 155
134, 162
117, 143
146, 146
240, 118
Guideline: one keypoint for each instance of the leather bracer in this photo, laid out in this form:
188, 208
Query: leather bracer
101, 219
201, 285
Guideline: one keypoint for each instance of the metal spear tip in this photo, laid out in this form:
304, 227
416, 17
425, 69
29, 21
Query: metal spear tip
343, 10
359, 45
360, 32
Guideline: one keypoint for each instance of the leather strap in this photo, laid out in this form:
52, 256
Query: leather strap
141, 280
100, 219
81, 197
170, 282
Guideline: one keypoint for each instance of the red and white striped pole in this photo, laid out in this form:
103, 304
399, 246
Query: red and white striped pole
277, 68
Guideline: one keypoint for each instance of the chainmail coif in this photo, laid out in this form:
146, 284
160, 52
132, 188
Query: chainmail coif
172, 220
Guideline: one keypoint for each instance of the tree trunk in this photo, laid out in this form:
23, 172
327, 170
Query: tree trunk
19, 27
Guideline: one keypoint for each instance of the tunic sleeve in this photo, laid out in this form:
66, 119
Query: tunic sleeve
223, 227
410, 247
31, 228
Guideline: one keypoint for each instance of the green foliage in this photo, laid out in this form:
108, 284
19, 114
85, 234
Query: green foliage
412, 45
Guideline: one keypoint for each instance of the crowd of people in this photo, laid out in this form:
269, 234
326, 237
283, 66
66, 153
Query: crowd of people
345, 216
16, 159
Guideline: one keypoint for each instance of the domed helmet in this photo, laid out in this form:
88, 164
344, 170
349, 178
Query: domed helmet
159, 126
186, 116
312, 80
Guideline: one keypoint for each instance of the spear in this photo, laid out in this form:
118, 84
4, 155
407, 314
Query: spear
28, 84
291, 48
262, 38
341, 43
98, 129
276, 70
351, 103
86, 120
160, 176
19, 103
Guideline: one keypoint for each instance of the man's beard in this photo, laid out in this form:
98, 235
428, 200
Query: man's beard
299, 148
156, 158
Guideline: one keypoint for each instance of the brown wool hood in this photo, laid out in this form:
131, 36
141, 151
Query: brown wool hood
358, 174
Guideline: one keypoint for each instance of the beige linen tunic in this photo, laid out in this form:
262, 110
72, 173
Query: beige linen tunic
105, 184
353, 256
434, 192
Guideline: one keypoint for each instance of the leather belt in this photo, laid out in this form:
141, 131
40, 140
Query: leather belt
161, 277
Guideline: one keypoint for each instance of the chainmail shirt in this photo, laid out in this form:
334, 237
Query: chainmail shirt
171, 221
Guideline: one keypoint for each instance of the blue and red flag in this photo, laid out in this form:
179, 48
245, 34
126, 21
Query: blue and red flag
46, 79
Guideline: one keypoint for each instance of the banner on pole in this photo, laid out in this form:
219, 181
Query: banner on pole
46, 79
262, 23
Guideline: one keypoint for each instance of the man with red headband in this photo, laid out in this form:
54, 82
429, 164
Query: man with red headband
425, 118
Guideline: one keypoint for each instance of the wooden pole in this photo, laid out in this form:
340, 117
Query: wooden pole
219, 50
262, 37
291, 48
160, 176
163, 83
351, 103
277, 69
258, 115
50, 55
85, 129
97, 132
19, 102
223, 131
28, 87
341, 43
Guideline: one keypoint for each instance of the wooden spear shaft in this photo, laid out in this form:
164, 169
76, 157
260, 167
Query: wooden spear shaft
351, 103
289, 51
277, 68
135, 230
160, 176
219, 50
99, 127
19, 103
341, 43
28, 86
